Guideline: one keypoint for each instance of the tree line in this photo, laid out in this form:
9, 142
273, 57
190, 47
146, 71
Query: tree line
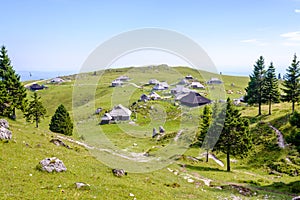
13, 95
263, 86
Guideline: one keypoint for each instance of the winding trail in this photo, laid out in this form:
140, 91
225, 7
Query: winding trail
280, 139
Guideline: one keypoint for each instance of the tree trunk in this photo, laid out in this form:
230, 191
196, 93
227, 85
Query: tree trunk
270, 104
228, 162
259, 108
206, 155
293, 107
36, 122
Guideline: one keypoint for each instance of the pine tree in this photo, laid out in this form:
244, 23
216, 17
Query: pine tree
255, 87
271, 87
205, 123
35, 110
215, 128
234, 139
15, 91
61, 121
292, 83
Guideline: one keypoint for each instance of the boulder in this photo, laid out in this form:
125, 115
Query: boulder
52, 164
5, 134
296, 198
4, 123
119, 172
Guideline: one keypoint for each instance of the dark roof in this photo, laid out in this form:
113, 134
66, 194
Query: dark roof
37, 87
194, 99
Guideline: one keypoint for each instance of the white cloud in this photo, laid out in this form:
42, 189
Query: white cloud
291, 44
249, 41
291, 36
297, 10
254, 41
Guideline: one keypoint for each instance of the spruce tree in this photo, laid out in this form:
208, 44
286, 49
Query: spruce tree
205, 123
61, 121
15, 91
255, 89
234, 139
35, 110
292, 83
271, 87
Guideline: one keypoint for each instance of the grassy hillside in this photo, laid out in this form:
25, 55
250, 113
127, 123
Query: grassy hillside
185, 178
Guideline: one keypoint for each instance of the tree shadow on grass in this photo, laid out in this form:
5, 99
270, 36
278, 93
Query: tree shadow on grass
202, 168
292, 187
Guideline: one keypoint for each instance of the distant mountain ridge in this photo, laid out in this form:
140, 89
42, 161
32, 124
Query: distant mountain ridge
38, 75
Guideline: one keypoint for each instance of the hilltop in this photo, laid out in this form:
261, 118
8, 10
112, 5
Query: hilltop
264, 174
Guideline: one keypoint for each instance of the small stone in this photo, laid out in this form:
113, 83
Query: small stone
189, 180
130, 194
82, 186
119, 172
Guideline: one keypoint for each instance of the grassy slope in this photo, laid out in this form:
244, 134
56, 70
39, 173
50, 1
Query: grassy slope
19, 157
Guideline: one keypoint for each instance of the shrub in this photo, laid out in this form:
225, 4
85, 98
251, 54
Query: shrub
61, 121
295, 119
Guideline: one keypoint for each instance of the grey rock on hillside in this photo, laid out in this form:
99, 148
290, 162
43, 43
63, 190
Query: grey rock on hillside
52, 164
5, 134
4, 123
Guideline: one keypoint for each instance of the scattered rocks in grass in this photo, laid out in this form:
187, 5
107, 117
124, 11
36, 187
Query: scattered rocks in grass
119, 172
82, 186
5, 134
58, 142
4, 123
173, 185
242, 190
52, 164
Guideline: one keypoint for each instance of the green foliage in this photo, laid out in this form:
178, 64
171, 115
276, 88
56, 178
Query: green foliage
292, 83
284, 167
35, 110
14, 96
255, 89
294, 138
61, 121
205, 122
271, 87
235, 138
295, 119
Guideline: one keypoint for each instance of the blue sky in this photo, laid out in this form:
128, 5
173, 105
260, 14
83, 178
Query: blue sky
58, 35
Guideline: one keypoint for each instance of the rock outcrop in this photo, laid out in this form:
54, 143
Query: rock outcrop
52, 164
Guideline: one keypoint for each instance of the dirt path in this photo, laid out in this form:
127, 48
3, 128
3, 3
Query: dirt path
138, 157
214, 158
280, 139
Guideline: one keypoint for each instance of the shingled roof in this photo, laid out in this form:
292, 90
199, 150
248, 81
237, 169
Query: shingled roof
194, 99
